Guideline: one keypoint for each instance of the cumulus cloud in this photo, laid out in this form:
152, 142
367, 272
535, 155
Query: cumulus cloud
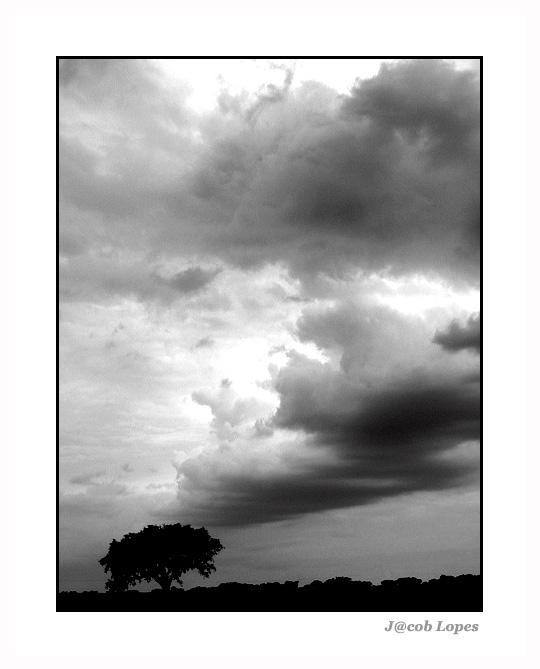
459, 337
379, 443
383, 178
230, 410
386, 177
400, 417
386, 415
263, 428
435, 105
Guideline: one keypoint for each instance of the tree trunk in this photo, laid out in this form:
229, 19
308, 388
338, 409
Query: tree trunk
164, 581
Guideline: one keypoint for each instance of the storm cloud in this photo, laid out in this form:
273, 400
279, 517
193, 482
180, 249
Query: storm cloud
386, 177
387, 415
264, 276
374, 444
458, 337
383, 178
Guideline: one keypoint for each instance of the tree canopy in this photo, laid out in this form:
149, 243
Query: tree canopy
159, 552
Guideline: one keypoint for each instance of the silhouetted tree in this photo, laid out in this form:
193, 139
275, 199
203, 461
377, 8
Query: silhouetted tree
159, 552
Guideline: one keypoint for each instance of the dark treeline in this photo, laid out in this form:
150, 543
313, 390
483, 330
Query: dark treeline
447, 593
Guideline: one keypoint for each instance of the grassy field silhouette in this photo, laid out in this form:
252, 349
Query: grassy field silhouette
447, 593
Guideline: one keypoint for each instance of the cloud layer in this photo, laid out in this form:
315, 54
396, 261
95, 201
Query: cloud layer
385, 178
261, 298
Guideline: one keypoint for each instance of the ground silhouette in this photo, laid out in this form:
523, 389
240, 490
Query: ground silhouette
447, 593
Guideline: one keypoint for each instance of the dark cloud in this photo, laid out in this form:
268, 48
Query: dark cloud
190, 280
434, 105
377, 442
385, 178
458, 337
205, 342
388, 415
409, 417
87, 479
87, 277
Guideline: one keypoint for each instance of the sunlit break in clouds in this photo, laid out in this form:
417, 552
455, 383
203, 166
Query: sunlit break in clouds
269, 313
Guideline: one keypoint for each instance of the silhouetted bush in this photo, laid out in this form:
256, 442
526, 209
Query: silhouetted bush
447, 593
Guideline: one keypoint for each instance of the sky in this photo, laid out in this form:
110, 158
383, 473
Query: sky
269, 313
